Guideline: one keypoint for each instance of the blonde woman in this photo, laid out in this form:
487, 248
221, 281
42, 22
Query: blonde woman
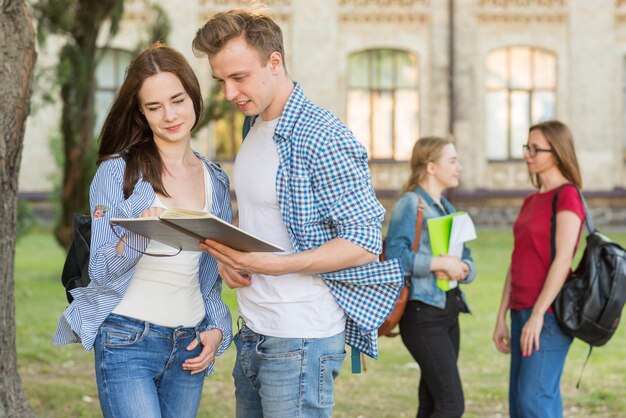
430, 326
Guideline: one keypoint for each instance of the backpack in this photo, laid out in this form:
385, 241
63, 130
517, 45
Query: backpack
590, 304
76, 268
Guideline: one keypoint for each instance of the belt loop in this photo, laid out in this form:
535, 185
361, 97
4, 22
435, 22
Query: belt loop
146, 330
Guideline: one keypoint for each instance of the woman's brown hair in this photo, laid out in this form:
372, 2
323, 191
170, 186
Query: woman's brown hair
426, 150
561, 141
126, 132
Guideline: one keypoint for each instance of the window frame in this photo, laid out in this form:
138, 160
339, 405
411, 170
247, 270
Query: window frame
376, 91
510, 91
117, 83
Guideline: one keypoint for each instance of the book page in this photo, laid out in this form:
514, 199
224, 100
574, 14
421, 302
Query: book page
174, 213
462, 230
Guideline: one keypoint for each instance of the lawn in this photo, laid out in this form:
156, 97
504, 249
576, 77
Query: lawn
60, 382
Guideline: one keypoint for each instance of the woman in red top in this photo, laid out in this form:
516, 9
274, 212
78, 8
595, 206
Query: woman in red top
537, 345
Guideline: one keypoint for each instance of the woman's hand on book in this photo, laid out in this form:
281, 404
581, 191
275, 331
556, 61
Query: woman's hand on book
453, 268
152, 211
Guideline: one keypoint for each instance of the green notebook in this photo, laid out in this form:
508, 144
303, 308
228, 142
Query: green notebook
439, 230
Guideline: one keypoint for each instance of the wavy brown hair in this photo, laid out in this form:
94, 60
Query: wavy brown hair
561, 141
259, 30
126, 132
426, 150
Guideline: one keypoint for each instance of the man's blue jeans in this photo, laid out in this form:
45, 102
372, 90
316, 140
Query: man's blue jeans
286, 377
139, 370
535, 382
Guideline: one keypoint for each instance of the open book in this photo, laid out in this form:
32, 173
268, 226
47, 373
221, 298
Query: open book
184, 229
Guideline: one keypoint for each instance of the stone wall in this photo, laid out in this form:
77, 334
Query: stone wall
588, 38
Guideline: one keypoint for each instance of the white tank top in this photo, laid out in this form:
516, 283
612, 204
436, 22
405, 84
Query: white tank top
288, 306
166, 290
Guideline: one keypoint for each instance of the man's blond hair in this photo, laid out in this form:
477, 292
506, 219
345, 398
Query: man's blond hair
258, 29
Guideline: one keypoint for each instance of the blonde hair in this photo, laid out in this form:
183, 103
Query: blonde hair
561, 141
426, 150
259, 30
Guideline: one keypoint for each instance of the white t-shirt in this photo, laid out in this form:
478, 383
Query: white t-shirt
166, 290
288, 306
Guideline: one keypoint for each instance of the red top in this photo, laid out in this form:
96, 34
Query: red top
532, 256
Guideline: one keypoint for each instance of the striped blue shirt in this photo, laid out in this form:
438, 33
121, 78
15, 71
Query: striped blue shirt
111, 273
324, 191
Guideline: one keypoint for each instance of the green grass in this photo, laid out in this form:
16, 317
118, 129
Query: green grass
60, 382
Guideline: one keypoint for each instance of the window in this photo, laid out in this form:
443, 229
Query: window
521, 91
383, 102
110, 74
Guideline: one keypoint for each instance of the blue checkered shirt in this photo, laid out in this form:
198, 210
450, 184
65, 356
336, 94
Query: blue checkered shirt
324, 191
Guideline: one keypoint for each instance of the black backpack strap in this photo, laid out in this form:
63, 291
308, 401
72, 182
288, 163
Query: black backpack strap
588, 220
580, 378
248, 121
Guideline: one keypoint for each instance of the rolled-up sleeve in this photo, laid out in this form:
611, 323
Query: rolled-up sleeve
467, 259
107, 202
344, 191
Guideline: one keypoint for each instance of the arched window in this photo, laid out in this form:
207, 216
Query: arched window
521, 91
383, 101
110, 74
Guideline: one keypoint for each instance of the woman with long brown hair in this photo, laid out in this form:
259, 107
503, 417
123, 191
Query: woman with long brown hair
537, 345
156, 323
430, 325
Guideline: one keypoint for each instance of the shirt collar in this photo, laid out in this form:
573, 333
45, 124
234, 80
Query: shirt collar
291, 112
443, 208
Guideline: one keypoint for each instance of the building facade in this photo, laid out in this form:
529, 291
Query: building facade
394, 70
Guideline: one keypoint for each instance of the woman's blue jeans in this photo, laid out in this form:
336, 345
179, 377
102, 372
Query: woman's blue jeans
139, 370
535, 381
286, 377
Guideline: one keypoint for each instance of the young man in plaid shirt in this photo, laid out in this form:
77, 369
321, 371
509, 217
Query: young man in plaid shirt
303, 183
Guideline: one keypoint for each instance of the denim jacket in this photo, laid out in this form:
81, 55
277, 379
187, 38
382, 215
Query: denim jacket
399, 242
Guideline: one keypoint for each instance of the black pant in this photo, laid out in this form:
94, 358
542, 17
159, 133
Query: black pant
432, 336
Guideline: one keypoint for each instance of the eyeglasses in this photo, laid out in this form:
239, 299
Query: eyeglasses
533, 150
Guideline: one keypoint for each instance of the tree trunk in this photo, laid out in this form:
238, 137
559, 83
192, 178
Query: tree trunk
17, 49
